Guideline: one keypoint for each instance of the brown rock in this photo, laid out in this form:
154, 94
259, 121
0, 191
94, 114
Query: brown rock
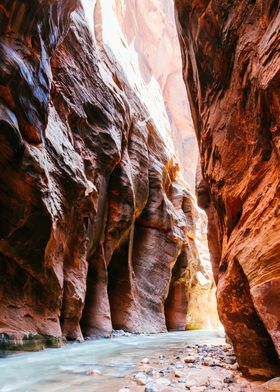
95, 220
231, 70
93, 372
271, 385
190, 359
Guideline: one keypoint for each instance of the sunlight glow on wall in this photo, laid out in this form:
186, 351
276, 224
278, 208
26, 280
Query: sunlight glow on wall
126, 59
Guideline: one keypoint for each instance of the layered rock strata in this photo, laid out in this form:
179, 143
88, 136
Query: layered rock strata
231, 67
96, 224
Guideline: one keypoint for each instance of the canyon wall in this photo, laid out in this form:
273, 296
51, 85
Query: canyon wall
149, 27
231, 64
97, 227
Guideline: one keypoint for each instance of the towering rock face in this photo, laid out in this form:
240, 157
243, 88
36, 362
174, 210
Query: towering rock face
144, 34
97, 228
149, 27
231, 69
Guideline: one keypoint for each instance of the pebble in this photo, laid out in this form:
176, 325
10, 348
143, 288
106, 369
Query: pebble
234, 366
120, 332
229, 379
93, 372
141, 378
230, 360
164, 371
190, 359
151, 372
210, 362
179, 374
151, 387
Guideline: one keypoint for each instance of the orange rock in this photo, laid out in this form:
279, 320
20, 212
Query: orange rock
93, 211
231, 70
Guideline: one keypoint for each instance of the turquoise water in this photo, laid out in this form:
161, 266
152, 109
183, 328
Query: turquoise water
69, 368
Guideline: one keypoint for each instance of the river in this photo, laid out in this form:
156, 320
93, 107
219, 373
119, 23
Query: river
69, 368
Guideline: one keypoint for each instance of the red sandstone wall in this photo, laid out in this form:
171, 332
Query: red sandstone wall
94, 218
230, 51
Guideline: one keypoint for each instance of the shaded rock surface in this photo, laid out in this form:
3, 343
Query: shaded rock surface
97, 228
231, 67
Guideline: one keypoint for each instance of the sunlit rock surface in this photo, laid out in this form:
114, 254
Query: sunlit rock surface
145, 34
149, 29
231, 68
97, 228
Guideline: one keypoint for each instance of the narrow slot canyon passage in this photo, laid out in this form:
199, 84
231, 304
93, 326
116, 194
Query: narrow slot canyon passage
139, 196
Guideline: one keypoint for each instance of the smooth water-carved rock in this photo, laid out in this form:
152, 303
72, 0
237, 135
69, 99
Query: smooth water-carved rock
95, 220
149, 27
231, 70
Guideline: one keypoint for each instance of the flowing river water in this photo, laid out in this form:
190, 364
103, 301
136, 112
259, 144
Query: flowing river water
70, 368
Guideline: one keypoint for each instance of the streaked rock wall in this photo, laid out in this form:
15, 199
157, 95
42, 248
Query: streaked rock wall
96, 221
231, 62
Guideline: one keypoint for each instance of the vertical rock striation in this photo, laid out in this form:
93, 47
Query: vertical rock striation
149, 27
96, 223
231, 67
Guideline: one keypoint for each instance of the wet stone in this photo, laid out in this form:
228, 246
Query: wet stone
210, 362
230, 360
179, 374
190, 359
151, 387
120, 332
141, 378
169, 369
229, 379
234, 367
93, 372
151, 372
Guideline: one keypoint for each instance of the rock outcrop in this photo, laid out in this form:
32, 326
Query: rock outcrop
96, 223
231, 64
